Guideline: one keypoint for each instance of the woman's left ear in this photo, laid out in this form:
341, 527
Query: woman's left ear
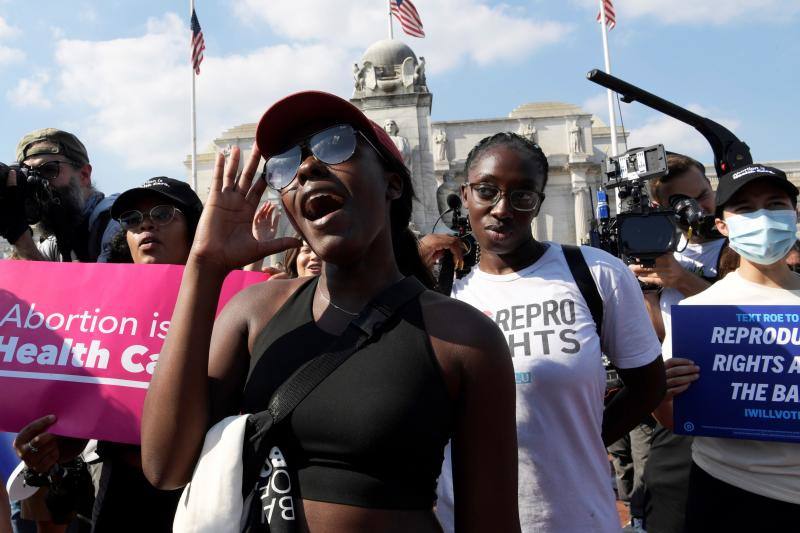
394, 189
722, 227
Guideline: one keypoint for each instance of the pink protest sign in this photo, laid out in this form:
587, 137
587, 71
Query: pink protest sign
81, 341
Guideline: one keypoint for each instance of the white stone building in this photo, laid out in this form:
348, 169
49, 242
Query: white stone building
390, 87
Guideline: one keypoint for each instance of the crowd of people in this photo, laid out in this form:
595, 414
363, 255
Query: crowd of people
483, 410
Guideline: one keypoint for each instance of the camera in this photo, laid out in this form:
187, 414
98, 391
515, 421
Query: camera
33, 190
448, 200
641, 232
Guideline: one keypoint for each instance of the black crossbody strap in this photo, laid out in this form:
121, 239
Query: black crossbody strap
361, 330
586, 284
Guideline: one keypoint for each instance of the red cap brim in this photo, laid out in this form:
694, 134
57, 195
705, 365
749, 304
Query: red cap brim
307, 112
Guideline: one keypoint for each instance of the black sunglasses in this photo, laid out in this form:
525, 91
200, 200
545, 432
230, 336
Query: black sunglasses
49, 170
332, 146
161, 215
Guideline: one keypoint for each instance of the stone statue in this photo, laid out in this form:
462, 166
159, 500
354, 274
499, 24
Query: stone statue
390, 127
440, 139
528, 131
419, 73
576, 139
358, 76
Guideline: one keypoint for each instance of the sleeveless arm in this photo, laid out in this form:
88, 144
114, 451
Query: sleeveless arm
480, 376
176, 409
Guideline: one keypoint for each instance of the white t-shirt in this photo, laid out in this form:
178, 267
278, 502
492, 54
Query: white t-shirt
698, 258
564, 479
771, 469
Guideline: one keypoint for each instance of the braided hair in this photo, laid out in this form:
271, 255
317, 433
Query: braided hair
514, 141
404, 242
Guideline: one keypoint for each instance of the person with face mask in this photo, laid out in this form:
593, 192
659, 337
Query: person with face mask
652, 463
75, 222
736, 484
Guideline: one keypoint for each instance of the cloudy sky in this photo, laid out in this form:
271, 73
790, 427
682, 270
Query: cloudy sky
116, 72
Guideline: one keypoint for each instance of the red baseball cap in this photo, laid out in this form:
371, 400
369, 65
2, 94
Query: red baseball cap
311, 111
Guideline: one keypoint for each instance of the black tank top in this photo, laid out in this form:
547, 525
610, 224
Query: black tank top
373, 433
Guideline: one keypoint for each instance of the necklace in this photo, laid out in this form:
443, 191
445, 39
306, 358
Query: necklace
343, 310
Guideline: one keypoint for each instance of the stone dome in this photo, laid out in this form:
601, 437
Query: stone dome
388, 53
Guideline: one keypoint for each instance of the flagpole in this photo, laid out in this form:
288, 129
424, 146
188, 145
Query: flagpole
194, 118
391, 28
610, 95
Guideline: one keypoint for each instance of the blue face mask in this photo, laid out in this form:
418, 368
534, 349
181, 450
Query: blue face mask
763, 236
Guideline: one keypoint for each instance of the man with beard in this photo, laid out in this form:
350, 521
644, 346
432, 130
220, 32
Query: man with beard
75, 221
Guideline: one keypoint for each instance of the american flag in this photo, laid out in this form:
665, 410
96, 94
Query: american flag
406, 13
198, 43
611, 18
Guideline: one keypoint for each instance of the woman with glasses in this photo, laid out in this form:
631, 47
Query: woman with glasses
368, 441
158, 222
527, 288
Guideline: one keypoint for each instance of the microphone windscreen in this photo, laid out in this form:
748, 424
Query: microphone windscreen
453, 201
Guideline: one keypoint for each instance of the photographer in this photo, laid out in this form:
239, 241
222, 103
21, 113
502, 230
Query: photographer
660, 458
58, 193
692, 269
528, 288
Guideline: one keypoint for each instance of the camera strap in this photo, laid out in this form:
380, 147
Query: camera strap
586, 284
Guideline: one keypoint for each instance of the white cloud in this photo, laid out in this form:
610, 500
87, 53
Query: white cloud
597, 105
7, 31
704, 12
456, 30
10, 55
138, 89
87, 14
677, 136
29, 92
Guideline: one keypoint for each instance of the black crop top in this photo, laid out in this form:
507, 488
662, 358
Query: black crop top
373, 433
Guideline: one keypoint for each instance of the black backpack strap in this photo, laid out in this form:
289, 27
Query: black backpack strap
586, 284
361, 330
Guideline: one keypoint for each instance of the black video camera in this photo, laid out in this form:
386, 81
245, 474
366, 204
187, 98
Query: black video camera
641, 232
33, 190
449, 203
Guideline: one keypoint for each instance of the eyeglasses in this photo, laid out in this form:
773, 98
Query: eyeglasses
332, 146
487, 194
160, 215
49, 170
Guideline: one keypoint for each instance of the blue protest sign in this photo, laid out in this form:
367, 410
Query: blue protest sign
749, 359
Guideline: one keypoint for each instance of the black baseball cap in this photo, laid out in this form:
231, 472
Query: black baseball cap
175, 191
735, 180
